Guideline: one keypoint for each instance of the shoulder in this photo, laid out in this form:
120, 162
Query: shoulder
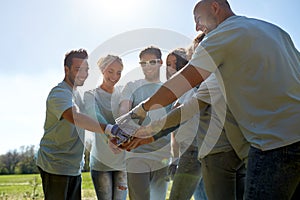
60, 91
132, 85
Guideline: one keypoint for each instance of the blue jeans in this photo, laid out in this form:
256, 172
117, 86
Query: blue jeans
223, 175
200, 193
187, 176
60, 187
273, 174
110, 185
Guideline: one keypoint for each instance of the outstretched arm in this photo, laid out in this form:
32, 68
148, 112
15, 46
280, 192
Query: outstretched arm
184, 80
166, 124
82, 120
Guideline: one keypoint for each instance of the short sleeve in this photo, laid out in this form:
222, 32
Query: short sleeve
127, 92
91, 107
59, 100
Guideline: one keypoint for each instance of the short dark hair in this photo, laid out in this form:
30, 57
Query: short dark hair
181, 60
151, 50
80, 53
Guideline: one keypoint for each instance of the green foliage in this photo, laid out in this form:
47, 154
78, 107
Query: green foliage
21, 187
29, 186
19, 162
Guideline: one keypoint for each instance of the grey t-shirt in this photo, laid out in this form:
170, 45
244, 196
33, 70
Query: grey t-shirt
61, 147
103, 106
136, 92
259, 67
217, 121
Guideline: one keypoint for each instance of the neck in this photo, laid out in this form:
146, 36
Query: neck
69, 83
107, 88
156, 80
225, 15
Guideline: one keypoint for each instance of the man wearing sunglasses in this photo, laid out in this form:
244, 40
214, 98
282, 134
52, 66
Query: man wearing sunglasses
147, 165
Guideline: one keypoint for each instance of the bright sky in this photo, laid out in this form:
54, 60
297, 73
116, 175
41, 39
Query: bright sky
36, 34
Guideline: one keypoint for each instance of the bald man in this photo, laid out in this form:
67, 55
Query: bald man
258, 70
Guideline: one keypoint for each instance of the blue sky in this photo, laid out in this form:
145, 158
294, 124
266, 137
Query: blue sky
36, 34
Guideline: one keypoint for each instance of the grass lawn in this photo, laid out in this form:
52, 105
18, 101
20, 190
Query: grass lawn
30, 187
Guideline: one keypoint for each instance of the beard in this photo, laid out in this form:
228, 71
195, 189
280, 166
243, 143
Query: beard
74, 81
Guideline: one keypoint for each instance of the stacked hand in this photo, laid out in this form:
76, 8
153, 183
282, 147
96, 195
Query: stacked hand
143, 135
126, 125
119, 135
128, 134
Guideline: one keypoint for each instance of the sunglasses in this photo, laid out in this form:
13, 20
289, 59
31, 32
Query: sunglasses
149, 62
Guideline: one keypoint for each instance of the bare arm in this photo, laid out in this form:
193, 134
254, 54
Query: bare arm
173, 119
82, 120
184, 80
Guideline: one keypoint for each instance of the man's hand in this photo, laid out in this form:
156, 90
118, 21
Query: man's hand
138, 113
149, 130
136, 142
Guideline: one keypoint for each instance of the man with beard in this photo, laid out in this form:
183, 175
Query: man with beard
61, 150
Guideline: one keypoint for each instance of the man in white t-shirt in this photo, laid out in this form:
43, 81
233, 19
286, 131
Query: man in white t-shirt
259, 77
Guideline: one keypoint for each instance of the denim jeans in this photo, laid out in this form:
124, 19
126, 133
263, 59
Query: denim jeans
187, 176
60, 187
148, 185
223, 176
200, 193
273, 174
107, 184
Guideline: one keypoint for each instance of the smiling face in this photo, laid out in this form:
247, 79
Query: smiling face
112, 74
151, 71
171, 65
205, 16
77, 73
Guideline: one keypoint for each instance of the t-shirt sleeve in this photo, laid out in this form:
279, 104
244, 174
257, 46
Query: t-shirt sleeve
127, 92
210, 53
91, 108
209, 90
59, 101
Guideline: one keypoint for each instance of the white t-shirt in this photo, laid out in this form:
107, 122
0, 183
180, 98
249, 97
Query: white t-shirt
259, 66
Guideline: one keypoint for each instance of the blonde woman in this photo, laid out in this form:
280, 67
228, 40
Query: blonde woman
107, 167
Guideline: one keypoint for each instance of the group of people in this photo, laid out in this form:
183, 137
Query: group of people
229, 109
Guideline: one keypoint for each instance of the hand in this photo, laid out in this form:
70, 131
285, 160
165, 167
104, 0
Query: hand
119, 135
138, 113
144, 132
149, 130
136, 142
115, 149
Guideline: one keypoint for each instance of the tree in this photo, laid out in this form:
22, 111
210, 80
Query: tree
21, 162
27, 162
9, 162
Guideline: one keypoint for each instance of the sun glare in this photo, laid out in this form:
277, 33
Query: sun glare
118, 8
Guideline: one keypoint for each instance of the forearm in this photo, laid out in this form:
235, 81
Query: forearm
86, 122
184, 80
177, 116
